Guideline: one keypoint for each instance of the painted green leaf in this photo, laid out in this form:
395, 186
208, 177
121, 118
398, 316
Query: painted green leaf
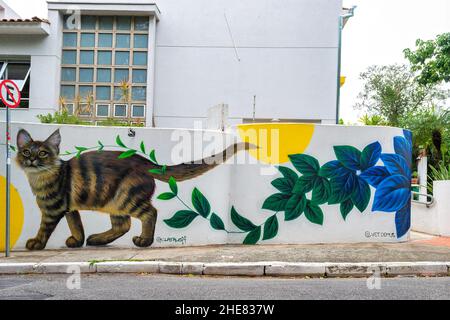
361, 194
295, 207
166, 196
127, 154
78, 155
270, 228
216, 222
181, 219
143, 147
305, 164
253, 236
349, 156
200, 203
155, 171
283, 185
304, 184
346, 207
100, 146
313, 213
13, 148
153, 157
289, 174
239, 221
81, 149
119, 142
342, 188
276, 202
321, 191
163, 169
173, 185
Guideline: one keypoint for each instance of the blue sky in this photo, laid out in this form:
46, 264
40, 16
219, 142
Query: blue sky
378, 33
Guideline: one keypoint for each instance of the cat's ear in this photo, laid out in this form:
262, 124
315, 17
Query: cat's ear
54, 140
23, 138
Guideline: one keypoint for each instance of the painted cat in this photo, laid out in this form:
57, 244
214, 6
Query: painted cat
98, 181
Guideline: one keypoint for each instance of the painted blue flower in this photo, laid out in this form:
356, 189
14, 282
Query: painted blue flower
393, 193
352, 173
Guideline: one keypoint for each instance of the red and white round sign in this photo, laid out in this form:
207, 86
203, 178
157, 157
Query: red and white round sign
10, 93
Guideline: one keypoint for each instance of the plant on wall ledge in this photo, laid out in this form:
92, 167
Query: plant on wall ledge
345, 182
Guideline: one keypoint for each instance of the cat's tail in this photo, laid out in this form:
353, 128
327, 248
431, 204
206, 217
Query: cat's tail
187, 171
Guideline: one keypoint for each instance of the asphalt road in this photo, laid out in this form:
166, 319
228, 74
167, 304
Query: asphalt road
160, 287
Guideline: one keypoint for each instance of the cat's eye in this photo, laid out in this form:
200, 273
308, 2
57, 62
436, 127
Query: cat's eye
42, 154
26, 153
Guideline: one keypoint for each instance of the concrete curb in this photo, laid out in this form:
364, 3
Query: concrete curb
274, 269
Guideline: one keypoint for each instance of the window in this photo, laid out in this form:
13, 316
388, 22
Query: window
87, 40
138, 93
70, 40
105, 23
123, 23
104, 58
120, 110
86, 75
97, 57
103, 75
141, 23
68, 92
19, 72
105, 40
86, 57
122, 41
140, 41
84, 109
103, 93
102, 110
137, 111
140, 58
139, 76
122, 58
69, 107
69, 57
68, 74
120, 75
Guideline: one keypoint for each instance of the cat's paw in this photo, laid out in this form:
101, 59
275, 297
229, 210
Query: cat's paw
142, 242
96, 240
35, 244
71, 242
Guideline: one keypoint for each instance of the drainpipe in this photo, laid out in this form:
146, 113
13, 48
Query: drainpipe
351, 13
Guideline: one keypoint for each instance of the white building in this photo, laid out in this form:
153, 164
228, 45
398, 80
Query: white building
266, 59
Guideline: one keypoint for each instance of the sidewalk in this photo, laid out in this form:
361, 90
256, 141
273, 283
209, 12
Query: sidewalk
422, 248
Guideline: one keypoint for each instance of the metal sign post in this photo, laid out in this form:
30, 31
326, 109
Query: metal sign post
10, 95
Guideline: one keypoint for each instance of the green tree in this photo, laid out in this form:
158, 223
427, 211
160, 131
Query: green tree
431, 60
431, 131
391, 92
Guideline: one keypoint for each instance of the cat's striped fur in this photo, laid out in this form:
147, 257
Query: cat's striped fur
97, 181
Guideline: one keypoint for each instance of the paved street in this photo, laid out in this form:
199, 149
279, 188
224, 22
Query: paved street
155, 287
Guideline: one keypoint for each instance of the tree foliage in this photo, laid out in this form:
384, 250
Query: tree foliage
431, 60
391, 92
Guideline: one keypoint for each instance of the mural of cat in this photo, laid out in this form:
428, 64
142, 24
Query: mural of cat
98, 181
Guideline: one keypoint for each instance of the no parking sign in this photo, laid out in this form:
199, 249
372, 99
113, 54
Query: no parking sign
10, 95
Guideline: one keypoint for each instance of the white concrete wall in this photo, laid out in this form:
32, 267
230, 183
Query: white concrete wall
436, 218
287, 50
244, 186
45, 55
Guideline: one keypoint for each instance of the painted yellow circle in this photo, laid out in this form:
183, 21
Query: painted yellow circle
276, 141
17, 215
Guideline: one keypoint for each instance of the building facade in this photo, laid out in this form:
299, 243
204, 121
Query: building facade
166, 63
